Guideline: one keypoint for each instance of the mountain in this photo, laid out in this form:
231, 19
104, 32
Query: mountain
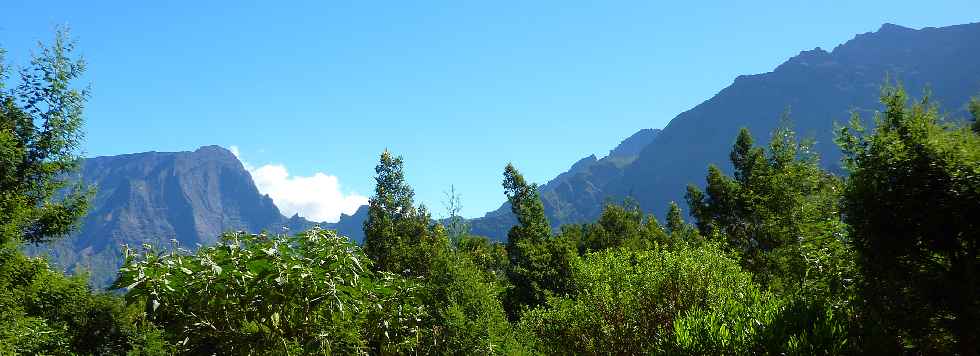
153, 197
817, 88
351, 226
190, 196
575, 195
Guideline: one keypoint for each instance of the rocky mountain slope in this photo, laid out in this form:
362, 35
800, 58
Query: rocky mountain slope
156, 197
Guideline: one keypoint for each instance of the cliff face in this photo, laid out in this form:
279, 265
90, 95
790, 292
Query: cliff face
189, 196
154, 197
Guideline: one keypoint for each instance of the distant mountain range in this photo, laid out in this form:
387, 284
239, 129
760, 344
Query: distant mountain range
192, 197
817, 88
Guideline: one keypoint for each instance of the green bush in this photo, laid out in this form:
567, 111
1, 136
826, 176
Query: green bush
466, 314
627, 301
685, 301
44, 312
313, 292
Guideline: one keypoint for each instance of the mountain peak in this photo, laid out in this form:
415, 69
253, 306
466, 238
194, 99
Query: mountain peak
890, 27
215, 151
632, 145
582, 164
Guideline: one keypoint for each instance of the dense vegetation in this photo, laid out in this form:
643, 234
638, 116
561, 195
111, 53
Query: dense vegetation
781, 256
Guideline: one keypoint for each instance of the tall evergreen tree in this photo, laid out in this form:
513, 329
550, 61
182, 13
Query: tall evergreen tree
539, 264
526, 205
675, 220
398, 236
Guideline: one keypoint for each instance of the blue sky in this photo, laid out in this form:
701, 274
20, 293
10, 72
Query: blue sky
458, 88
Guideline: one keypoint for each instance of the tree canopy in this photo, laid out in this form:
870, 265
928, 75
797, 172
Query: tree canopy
40, 133
910, 204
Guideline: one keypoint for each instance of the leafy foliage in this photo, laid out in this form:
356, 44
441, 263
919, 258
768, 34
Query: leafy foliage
312, 292
489, 256
40, 132
621, 226
780, 213
910, 202
41, 310
44, 312
688, 300
626, 301
467, 316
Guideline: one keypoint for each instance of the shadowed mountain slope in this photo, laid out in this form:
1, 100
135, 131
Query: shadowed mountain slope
817, 88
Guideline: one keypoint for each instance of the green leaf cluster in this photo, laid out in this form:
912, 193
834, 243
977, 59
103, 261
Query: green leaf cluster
311, 293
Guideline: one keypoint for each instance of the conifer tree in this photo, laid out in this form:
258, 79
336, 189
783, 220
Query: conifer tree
675, 220
398, 237
526, 205
539, 264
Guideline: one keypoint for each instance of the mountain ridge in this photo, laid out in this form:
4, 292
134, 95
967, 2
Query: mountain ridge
816, 88
819, 89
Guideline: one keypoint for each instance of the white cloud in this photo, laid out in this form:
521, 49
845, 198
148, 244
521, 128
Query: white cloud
317, 197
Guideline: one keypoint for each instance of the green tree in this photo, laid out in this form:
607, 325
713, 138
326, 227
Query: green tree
675, 220
41, 310
399, 237
779, 212
911, 201
539, 263
40, 133
690, 300
525, 203
491, 256
466, 313
619, 226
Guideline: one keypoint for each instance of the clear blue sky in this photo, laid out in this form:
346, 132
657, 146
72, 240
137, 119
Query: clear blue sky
458, 88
